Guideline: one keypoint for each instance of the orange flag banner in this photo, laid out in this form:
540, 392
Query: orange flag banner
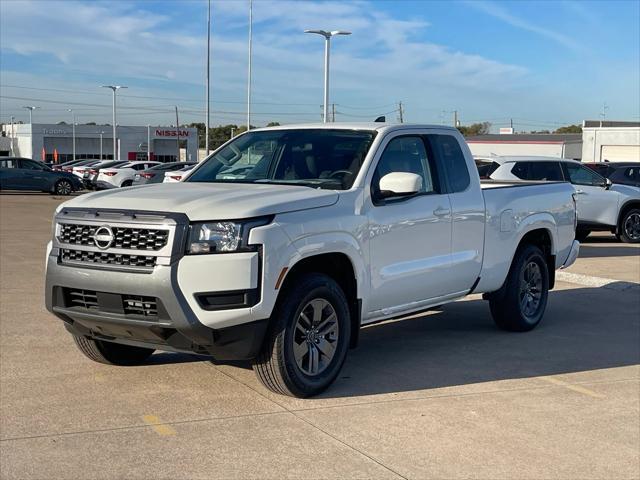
55, 155
44, 154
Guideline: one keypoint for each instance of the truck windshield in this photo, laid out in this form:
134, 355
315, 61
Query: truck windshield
318, 158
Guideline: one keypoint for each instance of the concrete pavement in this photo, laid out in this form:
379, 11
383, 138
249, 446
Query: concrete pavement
442, 395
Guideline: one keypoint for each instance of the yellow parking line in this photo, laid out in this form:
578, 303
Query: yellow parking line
575, 388
158, 427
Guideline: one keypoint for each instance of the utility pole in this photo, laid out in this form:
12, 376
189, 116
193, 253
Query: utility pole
455, 118
605, 107
333, 112
177, 135
101, 134
207, 119
249, 70
73, 131
12, 148
148, 143
400, 112
232, 130
114, 89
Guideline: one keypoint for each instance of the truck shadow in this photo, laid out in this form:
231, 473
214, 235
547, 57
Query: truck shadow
620, 250
584, 329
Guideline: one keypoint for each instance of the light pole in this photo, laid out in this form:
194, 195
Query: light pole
12, 136
73, 131
327, 46
31, 109
148, 143
207, 120
249, 72
101, 134
114, 89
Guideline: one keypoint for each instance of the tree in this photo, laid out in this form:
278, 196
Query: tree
475, 129
90, 123
273, 124
569, 129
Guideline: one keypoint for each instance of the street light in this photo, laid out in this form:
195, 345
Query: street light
73, 131
327, 45
249, 69
101, 134
207, 101
31, 109
114, 89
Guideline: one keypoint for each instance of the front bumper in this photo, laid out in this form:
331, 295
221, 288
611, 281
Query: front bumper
208, 304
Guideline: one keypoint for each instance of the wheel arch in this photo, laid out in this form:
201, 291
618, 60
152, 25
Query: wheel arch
340, 267
543, 239
628, 205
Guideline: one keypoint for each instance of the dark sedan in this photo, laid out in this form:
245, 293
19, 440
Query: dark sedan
27, 174
625, 173
156, 174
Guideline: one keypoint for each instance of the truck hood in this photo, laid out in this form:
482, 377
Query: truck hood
209, 201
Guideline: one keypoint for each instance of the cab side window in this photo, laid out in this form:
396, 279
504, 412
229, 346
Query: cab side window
405, 154
580, 175
9, 163
450, 157
539, 171
29, 165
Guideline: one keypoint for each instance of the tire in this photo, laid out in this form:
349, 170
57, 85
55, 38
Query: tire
291, 361
581, 235
112, 353
630, 226
63, 187
521, 302
127, 183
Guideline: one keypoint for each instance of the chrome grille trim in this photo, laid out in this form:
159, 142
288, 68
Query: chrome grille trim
142, 240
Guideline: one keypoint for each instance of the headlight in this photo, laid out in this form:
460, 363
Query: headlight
222, 236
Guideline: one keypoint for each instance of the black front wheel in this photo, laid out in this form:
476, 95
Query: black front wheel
63, 187
112, 353
521, 302
308, 339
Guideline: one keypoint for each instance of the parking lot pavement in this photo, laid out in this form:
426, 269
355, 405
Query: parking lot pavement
442, 395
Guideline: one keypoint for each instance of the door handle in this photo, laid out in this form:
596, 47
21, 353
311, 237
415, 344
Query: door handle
580, 192
441, 212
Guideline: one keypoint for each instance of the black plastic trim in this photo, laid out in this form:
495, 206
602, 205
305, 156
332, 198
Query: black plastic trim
228, 300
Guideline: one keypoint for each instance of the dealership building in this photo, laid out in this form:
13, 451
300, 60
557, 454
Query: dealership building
55, 143
567, 145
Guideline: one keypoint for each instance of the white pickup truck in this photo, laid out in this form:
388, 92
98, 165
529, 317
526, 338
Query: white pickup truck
318, 230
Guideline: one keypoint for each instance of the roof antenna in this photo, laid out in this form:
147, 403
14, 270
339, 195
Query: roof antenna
381, 119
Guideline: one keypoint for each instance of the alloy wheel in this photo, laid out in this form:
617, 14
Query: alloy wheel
632, 226
530, 289
315, 336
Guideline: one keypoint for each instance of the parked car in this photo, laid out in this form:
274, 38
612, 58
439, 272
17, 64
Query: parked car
58, 166
334, 227
79, 170
178, 175
624, 173
156, 174
26, 174
90, 176
602, 205
121, 176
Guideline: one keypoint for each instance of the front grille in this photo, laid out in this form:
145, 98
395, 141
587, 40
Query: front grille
139, 305
105, 258
83, 299
124, 237
136, 305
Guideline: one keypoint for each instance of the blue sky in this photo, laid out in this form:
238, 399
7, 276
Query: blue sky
541, 63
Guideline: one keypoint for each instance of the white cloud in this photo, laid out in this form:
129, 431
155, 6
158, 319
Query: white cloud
385, 60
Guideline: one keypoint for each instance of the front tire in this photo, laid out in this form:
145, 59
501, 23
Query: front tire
520, 304
112, 353
630, 226
307, 343
63, 187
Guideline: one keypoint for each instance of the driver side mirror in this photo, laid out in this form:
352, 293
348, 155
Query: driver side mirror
400, 184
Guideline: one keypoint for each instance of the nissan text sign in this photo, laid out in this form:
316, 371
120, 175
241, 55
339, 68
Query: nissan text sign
171, 133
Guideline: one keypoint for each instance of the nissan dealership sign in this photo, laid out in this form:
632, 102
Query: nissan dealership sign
171, 133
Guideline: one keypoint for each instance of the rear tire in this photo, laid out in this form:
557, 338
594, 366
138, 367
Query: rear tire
520, 304
112, 353
630, 226
127, 183
581, 235
308, 340
63, 187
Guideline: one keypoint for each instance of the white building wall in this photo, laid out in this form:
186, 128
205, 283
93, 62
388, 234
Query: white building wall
504, 148
595, 138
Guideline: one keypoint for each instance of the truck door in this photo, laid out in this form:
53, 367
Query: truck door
409, 237
468, 210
